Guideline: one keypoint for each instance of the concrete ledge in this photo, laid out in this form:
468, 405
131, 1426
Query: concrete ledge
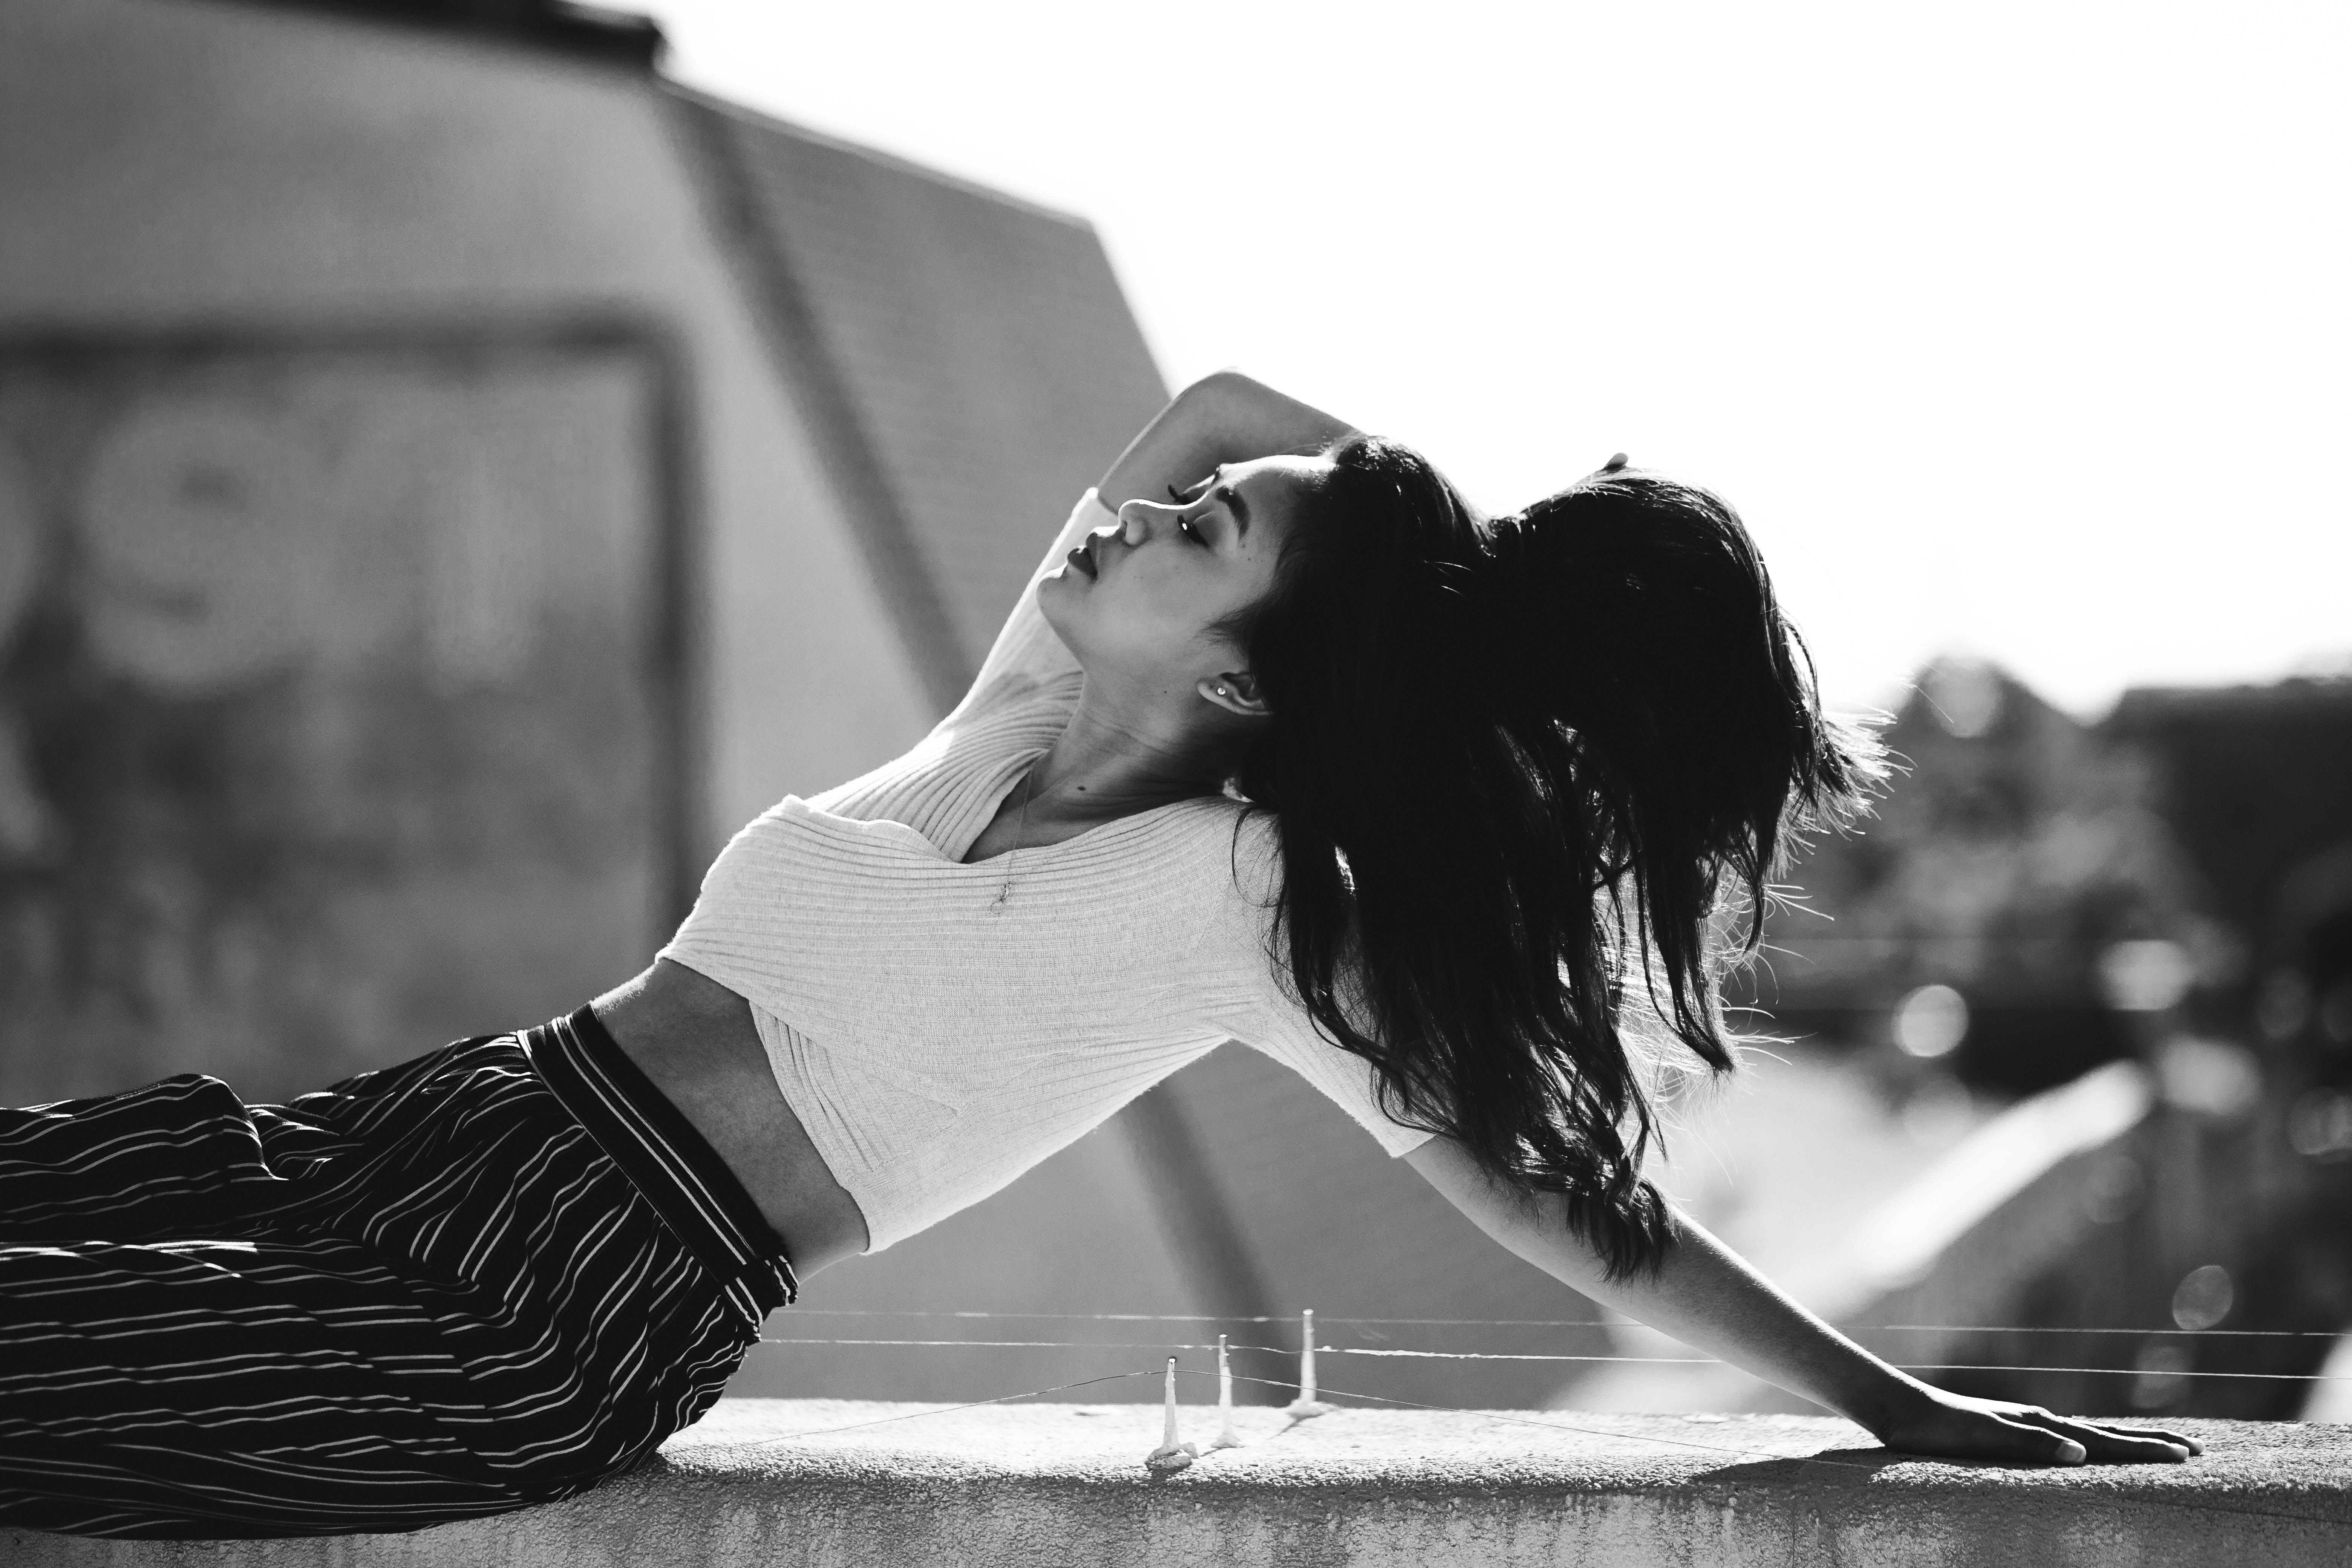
1042, 1486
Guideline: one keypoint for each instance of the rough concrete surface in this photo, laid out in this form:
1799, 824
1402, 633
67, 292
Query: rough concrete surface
1060, 1486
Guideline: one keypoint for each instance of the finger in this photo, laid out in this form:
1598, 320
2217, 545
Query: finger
2046, 1444
2113, 1445
2159, 1434
1993, 1436
2154, 1434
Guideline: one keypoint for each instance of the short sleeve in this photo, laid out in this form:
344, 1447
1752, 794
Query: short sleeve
1253, 1006
1026, 653
1286, 1033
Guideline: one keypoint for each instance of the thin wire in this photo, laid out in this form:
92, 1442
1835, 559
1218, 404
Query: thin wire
1902, 1366
1056, 1317
1214, 1317
1752, 1452
2133, 1371
1528, 1322
1491, 1355
949, 1409
1035, 1344
2198, 1333
1269, 1349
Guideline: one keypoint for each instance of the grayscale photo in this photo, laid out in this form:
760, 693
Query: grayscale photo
1094, 786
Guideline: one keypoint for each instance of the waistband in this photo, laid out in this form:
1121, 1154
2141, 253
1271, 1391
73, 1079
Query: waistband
659, 1150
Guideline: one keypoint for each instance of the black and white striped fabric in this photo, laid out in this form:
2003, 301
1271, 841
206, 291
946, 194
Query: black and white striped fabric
487, 1277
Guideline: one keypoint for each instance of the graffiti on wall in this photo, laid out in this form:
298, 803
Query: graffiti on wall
334, 691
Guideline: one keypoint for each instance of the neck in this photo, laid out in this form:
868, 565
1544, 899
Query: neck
1125, 752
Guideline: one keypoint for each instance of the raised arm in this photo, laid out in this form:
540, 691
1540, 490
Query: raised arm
1222, 418
1708, 1296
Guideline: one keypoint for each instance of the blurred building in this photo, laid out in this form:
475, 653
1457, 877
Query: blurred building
2012, 854
449, 478
2256, 783
2192, 849
2140, 926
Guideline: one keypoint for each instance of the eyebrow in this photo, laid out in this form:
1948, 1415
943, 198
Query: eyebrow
1234, 504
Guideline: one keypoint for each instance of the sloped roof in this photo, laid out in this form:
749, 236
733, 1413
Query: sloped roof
968, 358
559, 26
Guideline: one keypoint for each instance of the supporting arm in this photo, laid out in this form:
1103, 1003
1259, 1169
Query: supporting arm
1709, 1298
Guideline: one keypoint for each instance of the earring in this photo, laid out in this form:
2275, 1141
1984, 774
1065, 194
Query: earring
1225, 691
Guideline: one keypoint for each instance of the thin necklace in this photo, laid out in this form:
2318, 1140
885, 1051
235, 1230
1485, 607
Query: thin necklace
1020, 831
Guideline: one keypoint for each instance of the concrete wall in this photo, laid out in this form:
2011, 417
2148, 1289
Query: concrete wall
166, 164
336, 707
1058, 1486
262, 181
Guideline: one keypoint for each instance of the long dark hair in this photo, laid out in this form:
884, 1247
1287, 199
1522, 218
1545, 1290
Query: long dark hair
1522, 768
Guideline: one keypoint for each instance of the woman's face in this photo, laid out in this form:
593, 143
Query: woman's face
1140, 603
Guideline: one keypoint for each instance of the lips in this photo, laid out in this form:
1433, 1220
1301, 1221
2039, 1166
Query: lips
1083, 558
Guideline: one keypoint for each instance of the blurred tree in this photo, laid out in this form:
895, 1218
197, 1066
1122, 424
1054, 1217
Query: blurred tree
2013, 853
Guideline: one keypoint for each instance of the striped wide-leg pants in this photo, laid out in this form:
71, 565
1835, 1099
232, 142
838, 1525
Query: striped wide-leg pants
487, 1277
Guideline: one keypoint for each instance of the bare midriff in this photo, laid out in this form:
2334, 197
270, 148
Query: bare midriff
695, 1039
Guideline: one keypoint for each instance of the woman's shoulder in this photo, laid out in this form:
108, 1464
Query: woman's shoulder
1229, 869
1257, 838
1236, 829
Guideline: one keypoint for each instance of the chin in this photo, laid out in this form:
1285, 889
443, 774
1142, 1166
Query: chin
1053, 602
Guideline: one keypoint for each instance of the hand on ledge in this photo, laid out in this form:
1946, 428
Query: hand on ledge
1945, 1425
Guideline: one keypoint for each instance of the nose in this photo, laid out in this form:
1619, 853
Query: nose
1138, 518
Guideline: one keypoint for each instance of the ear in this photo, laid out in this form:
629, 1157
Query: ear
1235, 691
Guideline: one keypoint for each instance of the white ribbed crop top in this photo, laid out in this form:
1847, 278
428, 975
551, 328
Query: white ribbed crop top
935, 1042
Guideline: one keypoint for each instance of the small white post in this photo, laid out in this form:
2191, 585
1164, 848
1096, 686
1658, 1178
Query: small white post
1226, 1436
1170, 1456
1306, 1404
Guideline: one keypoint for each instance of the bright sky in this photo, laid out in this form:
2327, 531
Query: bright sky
2017, 330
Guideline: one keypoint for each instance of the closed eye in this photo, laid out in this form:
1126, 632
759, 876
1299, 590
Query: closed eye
1182, 523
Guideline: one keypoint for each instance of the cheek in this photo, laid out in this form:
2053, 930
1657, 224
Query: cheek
1123, 623
1148, 614
1153, 598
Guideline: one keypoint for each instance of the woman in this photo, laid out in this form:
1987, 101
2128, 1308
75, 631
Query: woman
1285, 745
